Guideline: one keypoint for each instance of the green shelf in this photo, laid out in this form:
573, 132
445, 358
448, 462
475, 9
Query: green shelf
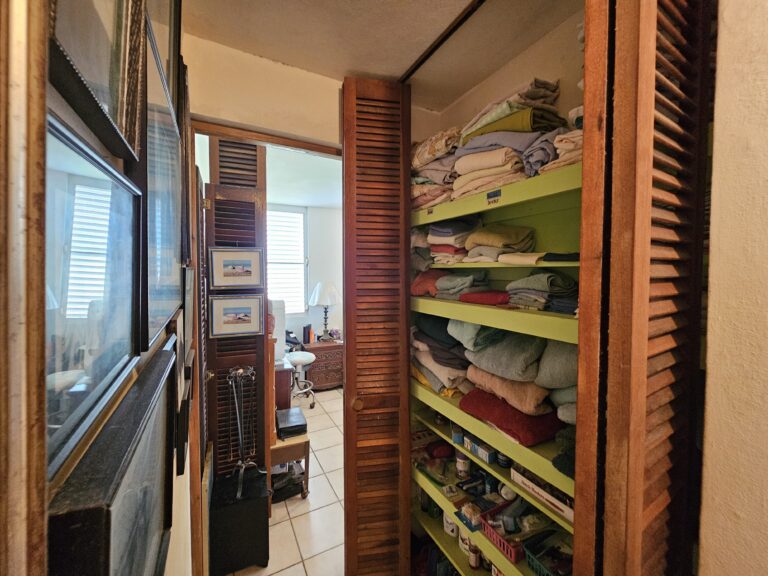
543, 324
478, 538
565, 179
503, 265
501, 474
448, 545
537, 459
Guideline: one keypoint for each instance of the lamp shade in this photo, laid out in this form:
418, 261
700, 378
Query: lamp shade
324, 294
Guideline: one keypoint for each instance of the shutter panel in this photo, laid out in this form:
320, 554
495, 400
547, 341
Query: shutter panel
235, 217
376, 421
660, 119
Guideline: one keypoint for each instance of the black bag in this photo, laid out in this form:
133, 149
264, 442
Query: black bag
291, 422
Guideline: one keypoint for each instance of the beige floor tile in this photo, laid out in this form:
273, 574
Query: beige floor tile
314, 466
304, 403
337, 418
317, 422
320, 494
321, 439
331, 458
279, 513
320, 530
295, 570
339, 391
336, 479
328, 563
326, 395
281, 556
332, 405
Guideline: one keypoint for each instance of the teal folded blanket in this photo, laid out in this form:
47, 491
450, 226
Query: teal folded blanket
515, 357
455, 283
474, 336
562, 396
551, 281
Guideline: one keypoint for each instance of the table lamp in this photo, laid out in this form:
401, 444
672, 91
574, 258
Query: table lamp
325, 294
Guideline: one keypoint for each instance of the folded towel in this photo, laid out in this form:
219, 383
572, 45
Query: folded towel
562, 305
488, 297
448, 376
525, 120
569, 141
432, 198
514, 238
560, 257
456, 296
527, 430
484, 160
565, 159
491, 252
421, 180
449, 259
436, 328
429, 190
517, 141
419, 238
513, 165
558, 366
454, 226
516, 357
440, 171
521, 258
489, 183
567, 413
560, 396
445, 249
541, 152
525, 396
423, 341
434, 147
425, 377
425, 283
457, 282
550, 281
420, 259
474, 336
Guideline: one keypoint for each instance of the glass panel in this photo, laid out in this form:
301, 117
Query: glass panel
89, 281
161, 18
163, 203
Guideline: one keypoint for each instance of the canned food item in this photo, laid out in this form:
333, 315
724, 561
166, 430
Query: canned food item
462, 466
503, 460
457, 433
463, 539
449, 525
474, 556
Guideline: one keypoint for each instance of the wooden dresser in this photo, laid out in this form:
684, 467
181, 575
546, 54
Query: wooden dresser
328, 370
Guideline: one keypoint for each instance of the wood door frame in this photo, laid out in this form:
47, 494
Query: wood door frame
23, 463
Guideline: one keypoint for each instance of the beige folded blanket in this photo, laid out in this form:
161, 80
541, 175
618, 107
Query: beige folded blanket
510, 166
518, 238
483, 160
449, 377
521, 258
489, 183
525, 396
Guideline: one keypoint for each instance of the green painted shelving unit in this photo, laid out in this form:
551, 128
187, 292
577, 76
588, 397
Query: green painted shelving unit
480, 540
502, 265
501, 474
537, 459
448, 545
556, 182
543, 324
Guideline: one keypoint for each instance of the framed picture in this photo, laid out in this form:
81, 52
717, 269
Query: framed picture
235, 268
163, 202
91, 284
97, 65
189, 310
236, 315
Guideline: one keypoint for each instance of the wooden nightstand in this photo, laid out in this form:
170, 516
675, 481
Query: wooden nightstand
328, 370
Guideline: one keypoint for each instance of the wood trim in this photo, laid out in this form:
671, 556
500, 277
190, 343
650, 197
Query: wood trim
593, 293
23, 467
224, 131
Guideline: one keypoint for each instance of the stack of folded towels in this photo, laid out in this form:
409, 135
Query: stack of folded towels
487, 243
447, 239
569, 150
437, 359
432, 169
420, 252
544, 290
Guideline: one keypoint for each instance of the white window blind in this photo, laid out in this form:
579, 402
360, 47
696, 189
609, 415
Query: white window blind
286, 260
88, 253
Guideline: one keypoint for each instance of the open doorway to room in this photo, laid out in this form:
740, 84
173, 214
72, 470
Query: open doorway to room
291, 193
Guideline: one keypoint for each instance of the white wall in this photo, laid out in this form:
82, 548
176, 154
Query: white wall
325, 254
239, 88
734, 539
179, 560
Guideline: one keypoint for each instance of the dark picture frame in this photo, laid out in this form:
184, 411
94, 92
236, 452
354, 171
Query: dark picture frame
98, 71
116, 371
217, 273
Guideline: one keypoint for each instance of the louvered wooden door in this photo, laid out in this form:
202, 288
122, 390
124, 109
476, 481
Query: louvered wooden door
235, 217
376, 439
661, 105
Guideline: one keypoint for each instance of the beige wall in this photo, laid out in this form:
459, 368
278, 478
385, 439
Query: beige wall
734, 539
179, 561
236, 87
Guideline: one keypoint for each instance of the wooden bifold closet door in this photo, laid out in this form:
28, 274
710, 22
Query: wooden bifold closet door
661, 111
376, 319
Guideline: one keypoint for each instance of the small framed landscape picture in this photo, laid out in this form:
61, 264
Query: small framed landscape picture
236, 316
236, 268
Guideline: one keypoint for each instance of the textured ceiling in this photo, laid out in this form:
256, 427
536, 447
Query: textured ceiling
335, 38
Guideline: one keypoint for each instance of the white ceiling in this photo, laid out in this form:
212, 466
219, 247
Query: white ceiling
381, 38
298, 178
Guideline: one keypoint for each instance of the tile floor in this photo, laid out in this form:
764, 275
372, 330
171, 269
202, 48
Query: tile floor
306, 536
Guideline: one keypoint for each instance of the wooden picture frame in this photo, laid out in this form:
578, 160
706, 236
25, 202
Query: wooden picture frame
231, 316
100, 71
235, 268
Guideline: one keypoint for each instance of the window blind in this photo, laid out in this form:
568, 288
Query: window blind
286, 260
88, 255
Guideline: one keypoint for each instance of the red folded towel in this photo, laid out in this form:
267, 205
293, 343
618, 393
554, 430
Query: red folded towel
425, 283
492, 297
528, 430
446, 249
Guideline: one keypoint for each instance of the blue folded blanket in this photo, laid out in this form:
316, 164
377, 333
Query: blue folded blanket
541, 152
518, 141
453, 227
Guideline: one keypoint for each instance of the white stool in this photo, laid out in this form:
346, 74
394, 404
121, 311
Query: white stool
299, 386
